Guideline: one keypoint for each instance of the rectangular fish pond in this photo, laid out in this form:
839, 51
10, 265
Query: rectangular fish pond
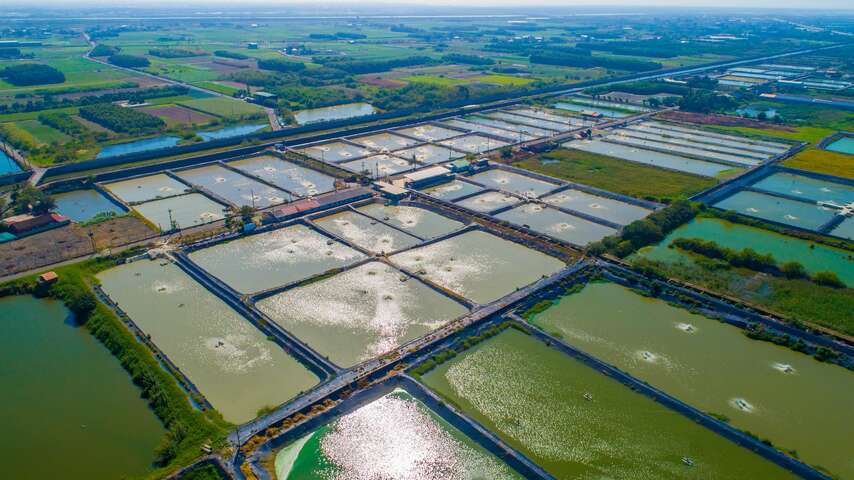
429, 132
7, 165
708, 138
231, 362
557, 224
474, 143
235, 188
184, 211
415, 220
649, 157
395, 437
143, 189
845, 229
296, 179
64, 397
843, 145
513, 182
490, 130
270, 259
782, 210
361, 313
488, 201
526, 120
815, 257
84, 205
452, 190
701, 148
379, 165
689, 151
429, 154
334, 152
793, 400
576, 422
807, 188
478, 265
512, 127
366, 232
384, 141
616, 211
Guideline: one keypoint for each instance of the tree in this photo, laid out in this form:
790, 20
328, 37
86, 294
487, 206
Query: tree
28, 199
246, 213
828, 279
793, 270
27, 74
642, 232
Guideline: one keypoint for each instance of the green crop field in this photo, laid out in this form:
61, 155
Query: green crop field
42, 133
616, 175
223, 107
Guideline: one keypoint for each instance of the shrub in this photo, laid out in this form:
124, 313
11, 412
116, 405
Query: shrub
793, 270
121, 119
828, 279
280, 65
102, 50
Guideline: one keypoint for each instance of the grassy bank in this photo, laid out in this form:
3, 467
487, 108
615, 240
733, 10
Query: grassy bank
616, 175
187, 428
823, 161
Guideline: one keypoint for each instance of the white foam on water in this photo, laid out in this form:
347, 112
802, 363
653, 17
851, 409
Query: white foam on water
686, 327
742, 404
784, 368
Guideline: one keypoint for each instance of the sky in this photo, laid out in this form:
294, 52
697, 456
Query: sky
327, 4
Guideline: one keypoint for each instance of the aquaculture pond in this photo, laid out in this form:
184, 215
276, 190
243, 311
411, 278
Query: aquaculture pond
843, 145
7, 165
296, 179
229, 132
379, 165
395, 437
64, 397
776, 209
512, 182
525, 120
488, 201
794, 401
474, 143
478, 265
233, 187
417, 221
138, 146
845, 229
707, 138
689, 151
781, 147
815, 257
335, 112
429, 132
452, 190
185, 211
576, 422
701, 148
807, 188
366, 232
616, 211
550, 115
334, 151
490, 130
361, 313
605, 112
429, 154
513, 127
384, 141
557, 224
648, 157
83, 205
231, 362
270, 259
143, 189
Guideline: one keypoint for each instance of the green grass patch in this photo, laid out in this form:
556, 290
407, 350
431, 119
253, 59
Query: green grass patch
823, 161
43, 134
223, 107
218, 87
801, 134
616, 175
504, 80
436, 80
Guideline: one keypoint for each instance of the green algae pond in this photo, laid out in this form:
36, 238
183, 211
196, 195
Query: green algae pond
814, 257
789, 398
576, 422
69, 409
361, 313
230, 361
395, 437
